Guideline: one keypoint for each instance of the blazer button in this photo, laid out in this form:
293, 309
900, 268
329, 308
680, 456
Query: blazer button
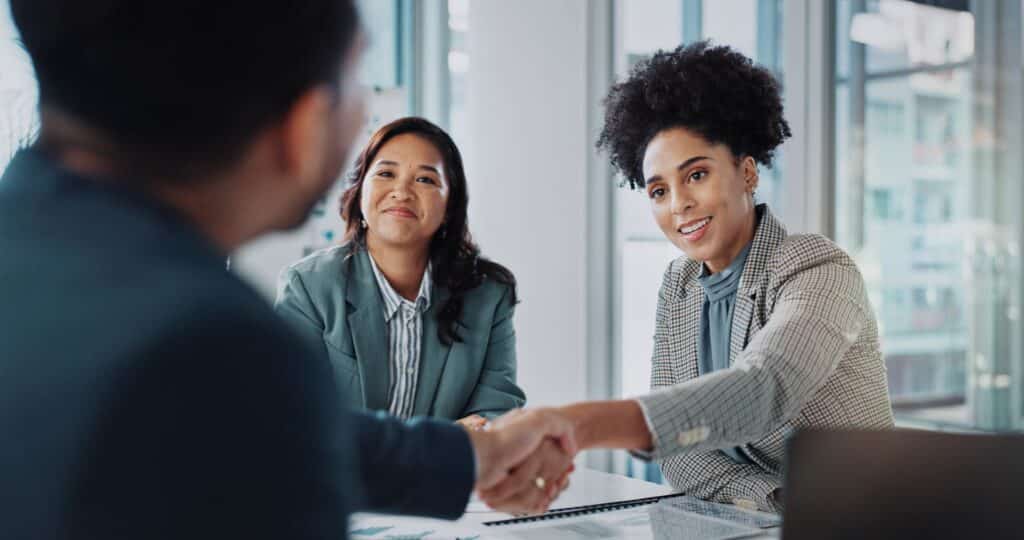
746, 504
693, 436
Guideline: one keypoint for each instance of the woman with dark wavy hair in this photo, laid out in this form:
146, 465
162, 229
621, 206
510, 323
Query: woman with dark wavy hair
413, 319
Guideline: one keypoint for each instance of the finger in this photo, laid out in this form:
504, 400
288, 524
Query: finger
554, 470
529, 429
520, 479
534, 499
529, 501
472, 422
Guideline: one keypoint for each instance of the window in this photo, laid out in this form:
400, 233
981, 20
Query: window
885, 204
458, 66
918, 92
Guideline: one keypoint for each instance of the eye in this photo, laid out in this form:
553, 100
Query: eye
385, 174
426, 180
656, 193
697, 176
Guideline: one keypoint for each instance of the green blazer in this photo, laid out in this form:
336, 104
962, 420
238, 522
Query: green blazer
336, 305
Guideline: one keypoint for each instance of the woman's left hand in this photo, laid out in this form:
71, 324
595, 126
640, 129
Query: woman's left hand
472, 422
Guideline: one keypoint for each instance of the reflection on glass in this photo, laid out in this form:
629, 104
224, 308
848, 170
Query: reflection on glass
913, 204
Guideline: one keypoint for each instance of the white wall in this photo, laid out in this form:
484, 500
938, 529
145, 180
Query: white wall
527, 175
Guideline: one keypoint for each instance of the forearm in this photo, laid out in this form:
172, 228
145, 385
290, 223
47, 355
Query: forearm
609, 424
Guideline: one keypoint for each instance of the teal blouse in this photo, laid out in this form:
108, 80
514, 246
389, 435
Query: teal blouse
716, 322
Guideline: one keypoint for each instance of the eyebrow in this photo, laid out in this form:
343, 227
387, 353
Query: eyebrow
395, 164
681, 166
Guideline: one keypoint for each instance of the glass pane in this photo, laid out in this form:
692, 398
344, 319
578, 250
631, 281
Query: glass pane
381, 64
918, 205
643, 264
650, 25
904, 35
458, 67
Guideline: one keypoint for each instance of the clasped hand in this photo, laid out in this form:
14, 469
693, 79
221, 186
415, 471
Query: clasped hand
524, 460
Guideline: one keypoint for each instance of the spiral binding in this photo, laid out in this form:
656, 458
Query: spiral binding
582, 510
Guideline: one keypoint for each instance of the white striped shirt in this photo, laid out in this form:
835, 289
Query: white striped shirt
404, 322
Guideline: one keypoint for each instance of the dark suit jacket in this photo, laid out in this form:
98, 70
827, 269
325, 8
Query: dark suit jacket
145, 392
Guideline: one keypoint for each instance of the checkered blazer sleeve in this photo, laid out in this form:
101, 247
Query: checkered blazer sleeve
819, 306
713, 476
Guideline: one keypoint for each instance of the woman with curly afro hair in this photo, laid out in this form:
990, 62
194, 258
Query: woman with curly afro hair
759, 332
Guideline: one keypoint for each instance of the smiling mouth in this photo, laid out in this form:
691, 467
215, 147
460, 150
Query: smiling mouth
695, 227
400, 212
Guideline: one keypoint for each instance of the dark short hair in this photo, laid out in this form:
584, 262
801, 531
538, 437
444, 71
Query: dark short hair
186, 84
713, 91
457, 263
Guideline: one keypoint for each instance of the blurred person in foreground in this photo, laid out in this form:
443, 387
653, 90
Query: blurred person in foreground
145, 391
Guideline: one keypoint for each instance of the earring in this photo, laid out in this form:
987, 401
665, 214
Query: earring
363, 223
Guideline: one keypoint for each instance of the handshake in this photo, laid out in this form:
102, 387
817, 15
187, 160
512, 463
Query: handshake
524, 459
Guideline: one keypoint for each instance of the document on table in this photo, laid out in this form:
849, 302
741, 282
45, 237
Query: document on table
661, 521
385, 527
672, 517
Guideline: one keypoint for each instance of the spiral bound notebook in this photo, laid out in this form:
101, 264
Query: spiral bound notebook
677, 501
582, 510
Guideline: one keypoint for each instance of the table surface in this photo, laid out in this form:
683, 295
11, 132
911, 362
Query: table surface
586, 486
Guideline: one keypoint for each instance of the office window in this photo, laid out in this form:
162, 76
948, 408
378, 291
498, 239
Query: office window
927, 99
18, 92
458, 66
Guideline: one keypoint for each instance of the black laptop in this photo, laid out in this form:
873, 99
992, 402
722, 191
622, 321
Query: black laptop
903, 484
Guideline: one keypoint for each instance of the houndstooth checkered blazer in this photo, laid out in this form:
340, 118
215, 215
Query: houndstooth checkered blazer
804, 350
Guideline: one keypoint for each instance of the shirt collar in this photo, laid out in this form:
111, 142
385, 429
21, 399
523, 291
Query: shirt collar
726, 282
392, 300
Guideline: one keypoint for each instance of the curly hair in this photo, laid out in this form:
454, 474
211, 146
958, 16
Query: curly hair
457, 263
713, 91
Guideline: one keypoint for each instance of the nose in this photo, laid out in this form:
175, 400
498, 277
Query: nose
402, 190
682, 201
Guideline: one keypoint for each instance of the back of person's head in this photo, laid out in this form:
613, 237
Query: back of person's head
180, 87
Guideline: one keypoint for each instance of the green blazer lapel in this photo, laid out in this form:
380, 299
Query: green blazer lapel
433, 354
369, 334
